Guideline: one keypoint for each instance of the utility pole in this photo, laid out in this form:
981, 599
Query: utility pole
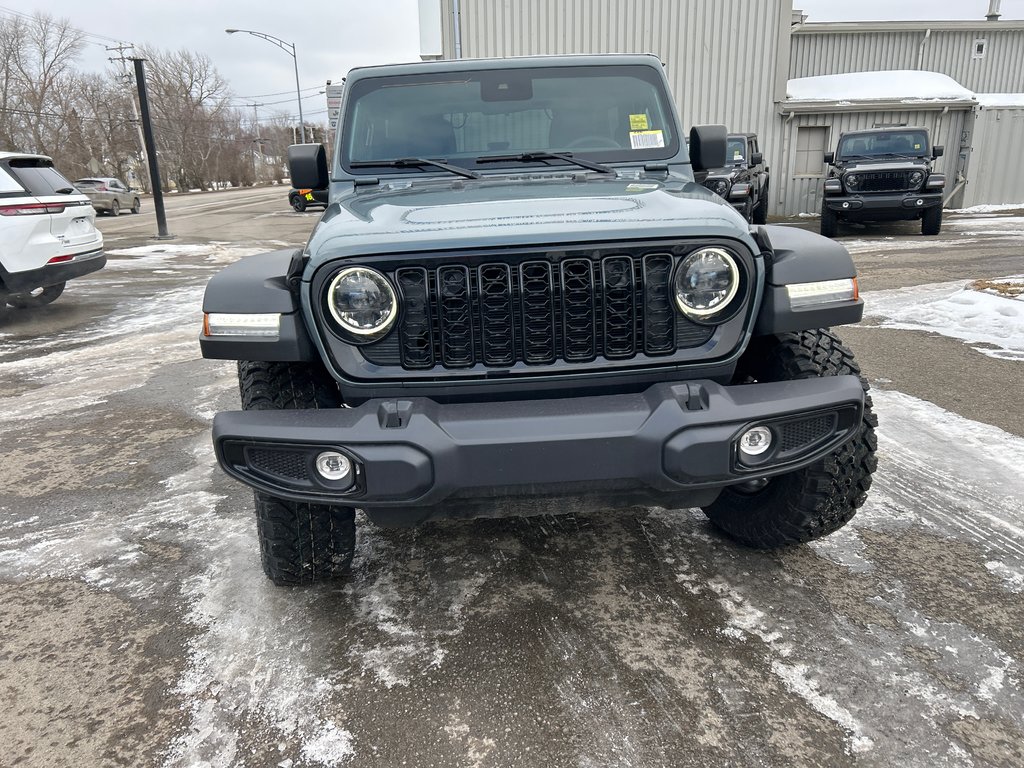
154, 169
259, 142
127, 79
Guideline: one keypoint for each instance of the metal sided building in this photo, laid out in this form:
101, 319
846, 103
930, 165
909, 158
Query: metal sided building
730, 61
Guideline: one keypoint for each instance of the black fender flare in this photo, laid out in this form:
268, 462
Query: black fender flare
259, 284
797, 256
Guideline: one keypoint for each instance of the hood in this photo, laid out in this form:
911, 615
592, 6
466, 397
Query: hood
444, 214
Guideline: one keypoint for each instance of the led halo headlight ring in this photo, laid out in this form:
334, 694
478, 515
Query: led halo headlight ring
916, 179
375, 289
852, 180
728, 291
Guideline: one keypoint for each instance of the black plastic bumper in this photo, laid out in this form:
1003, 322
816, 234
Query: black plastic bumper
52, 274
670, 439
896, 204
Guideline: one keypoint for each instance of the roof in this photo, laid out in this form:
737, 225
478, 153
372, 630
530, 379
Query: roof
1001, 99
860, 27
512, 62
8, 155
897, 88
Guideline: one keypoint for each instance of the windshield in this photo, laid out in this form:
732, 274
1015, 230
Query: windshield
607, 113
735, 150
884, 143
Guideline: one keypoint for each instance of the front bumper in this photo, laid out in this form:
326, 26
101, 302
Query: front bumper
900, 204
416, 453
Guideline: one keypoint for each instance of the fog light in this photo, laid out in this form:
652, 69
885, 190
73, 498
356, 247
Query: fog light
333, 466
756, 441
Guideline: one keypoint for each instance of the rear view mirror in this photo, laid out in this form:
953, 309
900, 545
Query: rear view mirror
707, 147
756, 158
307, 164
937, 151
830, 157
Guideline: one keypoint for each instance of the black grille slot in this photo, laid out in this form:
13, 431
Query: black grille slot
456, 316
497, 321
884, 181
796, 434
619, 307
291, 464
659, 314
537, 307
579, 337
416, 329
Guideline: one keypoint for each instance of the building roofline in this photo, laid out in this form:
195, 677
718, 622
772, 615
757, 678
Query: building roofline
796, 107
862, 27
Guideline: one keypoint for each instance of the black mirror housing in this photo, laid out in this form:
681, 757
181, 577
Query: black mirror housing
937, 151
707, 147
830, 157
307, 164
756, 158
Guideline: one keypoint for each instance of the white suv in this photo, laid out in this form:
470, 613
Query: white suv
48, 231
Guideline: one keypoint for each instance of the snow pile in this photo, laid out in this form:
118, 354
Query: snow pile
989, 208
988, 316
1001, 99
906, 85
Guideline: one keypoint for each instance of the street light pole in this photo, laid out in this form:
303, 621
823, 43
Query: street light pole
288, 48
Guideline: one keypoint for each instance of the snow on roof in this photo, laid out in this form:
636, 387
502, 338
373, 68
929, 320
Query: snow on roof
903, 85
1001, 99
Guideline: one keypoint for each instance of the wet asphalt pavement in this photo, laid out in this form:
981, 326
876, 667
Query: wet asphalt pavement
136, 627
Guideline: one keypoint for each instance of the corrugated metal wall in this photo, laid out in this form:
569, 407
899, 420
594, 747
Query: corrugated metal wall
1000, 70
996, 174
802, 194
726, 60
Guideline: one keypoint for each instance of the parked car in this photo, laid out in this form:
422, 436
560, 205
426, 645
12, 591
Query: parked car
519, 302
883, 174
743, 181
48, 231
301, 199
110, 195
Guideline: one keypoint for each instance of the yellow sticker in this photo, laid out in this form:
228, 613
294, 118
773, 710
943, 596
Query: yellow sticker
638, 122
917, 146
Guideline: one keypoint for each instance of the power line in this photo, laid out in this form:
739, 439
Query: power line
31, 17
280, 93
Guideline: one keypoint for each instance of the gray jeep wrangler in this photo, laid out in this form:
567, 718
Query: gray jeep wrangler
883, 174
518, 301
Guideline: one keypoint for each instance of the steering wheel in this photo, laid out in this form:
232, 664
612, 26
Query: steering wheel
591, 141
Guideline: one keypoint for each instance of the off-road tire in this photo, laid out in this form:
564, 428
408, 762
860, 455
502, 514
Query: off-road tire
760, 215
115, 208
136, 206
298, 204
829, 221
38, 298
300, 543
931, 221
808, 503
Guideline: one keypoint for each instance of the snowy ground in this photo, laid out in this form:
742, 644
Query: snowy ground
137, 626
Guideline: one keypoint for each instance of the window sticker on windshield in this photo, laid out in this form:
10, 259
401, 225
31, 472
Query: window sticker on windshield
917, 146
736, 155
646, 139
638, 122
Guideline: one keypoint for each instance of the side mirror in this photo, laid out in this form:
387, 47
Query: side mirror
307, 164
756, 158
707, 147
937, 151
830, 157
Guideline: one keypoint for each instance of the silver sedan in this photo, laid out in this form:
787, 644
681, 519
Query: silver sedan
109, 195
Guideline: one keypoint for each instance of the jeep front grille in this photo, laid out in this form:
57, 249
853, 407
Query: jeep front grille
885, 181
536, 311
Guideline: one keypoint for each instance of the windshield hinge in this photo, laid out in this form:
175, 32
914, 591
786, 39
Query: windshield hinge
366, 181
656, 168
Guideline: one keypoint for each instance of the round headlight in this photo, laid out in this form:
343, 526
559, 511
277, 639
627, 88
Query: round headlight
706, 281
916, 178
852, 180
362, 301
718, 186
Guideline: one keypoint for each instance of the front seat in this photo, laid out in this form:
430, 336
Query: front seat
429, 136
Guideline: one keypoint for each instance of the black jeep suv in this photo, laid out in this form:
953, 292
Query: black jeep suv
743, 181
884, 174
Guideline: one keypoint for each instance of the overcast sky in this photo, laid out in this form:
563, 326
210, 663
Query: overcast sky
336, 35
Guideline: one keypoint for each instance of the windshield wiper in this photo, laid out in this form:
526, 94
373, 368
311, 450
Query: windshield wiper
416, 162
530, 157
